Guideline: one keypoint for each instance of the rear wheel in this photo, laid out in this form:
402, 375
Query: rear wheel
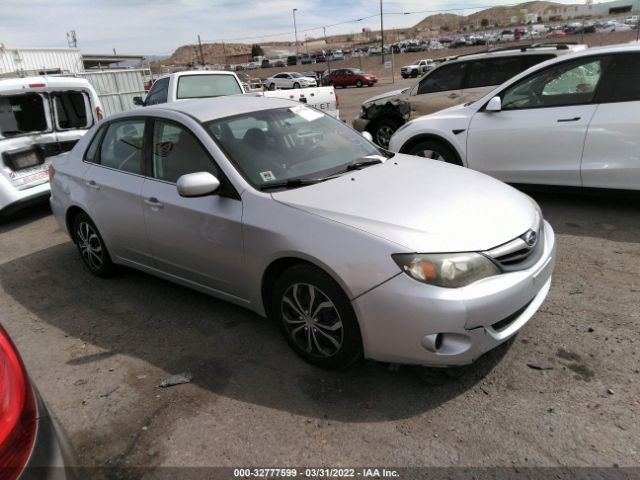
383, 129
316, 317
434, 150
359, 83
91, 246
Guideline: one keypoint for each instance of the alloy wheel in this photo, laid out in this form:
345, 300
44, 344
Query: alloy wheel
312, 320
383, 135
90, 245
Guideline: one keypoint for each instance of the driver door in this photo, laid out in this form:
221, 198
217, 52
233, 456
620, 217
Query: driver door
439, 89
197, 239
539, 135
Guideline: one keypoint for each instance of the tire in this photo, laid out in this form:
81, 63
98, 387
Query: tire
326, 336
296, 85
383, 129
414, 74
405, 76
359, 83
332, 84
272, 86
91, 246
434, 150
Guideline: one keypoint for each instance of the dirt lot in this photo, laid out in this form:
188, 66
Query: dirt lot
97, 350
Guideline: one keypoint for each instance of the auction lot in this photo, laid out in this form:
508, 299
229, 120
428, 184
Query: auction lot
97, 350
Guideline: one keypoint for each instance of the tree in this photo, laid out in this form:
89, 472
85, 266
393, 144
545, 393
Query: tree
484, 23
256, 50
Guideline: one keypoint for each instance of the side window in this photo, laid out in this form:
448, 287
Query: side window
493, 71
442, 79
91, 155
159, 92
176, 152
122, 146
626, 86
569, 83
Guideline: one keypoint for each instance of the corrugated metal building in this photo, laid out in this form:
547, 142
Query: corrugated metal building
117, 88
39, 61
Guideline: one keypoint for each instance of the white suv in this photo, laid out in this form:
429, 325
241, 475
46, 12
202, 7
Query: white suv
572, 121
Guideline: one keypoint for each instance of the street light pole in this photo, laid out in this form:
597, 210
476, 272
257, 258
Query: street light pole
381, 32
295, 29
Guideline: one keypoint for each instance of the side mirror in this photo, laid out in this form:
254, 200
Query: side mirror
138, 101
494, 105
197, 184
368, 136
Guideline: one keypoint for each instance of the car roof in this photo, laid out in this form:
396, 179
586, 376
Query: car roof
207, 109
197, 72
10, 84
518, 50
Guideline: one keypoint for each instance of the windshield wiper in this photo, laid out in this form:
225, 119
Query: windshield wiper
291, 183
364, 162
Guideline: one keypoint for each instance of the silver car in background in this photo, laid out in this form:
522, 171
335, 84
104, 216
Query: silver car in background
281, 209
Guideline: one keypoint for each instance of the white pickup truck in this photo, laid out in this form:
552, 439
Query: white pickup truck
417, 68
215, 83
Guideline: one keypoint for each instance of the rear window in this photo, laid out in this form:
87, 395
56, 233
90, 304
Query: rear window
203, 86
21, 114
71, 110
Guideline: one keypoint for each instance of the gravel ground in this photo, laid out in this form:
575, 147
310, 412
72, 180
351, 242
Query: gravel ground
97, 349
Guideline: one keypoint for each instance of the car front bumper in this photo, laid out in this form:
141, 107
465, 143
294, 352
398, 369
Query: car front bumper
360, 124
401, 319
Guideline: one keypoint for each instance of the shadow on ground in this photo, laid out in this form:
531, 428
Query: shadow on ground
230, 350
614, 218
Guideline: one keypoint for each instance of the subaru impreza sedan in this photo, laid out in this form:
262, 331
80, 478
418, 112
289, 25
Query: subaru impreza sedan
279, 208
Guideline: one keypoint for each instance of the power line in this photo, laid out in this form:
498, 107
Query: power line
355, 20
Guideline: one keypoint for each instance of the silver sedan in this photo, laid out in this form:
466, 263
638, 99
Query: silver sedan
279, 208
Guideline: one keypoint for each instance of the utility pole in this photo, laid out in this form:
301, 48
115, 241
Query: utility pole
381, 32
295, 29
224, 52
200, 48
324, 29
72, 41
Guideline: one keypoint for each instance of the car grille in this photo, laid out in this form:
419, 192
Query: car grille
521, 252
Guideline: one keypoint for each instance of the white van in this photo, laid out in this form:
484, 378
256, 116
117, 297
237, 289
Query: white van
40, 117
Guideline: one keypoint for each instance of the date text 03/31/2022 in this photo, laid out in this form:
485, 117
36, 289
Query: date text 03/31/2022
314, 473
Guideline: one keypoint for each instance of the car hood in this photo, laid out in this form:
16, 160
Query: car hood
422, 205
393, 93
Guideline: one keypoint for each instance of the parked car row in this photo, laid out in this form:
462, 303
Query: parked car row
570, 121
458, 80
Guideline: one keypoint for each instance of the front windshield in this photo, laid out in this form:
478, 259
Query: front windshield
296, 75
282, 144
357, 71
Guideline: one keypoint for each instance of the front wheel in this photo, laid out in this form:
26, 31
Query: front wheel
296, 85
316, 317
434, 150
382, 130
91, 246
272, 86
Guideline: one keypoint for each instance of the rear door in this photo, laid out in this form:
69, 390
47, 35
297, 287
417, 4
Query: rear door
539, 135
196, 239
439, 89
611, 156
114, 182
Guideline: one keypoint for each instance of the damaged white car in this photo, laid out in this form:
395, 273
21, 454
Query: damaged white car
40, 117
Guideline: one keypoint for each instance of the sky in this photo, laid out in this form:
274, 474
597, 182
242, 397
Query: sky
158, 27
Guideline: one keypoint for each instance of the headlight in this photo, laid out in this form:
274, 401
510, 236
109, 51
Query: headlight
449, 270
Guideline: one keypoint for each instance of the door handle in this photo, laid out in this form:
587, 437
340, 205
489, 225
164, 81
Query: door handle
574, 119
453, 95
92, 184
153, 202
